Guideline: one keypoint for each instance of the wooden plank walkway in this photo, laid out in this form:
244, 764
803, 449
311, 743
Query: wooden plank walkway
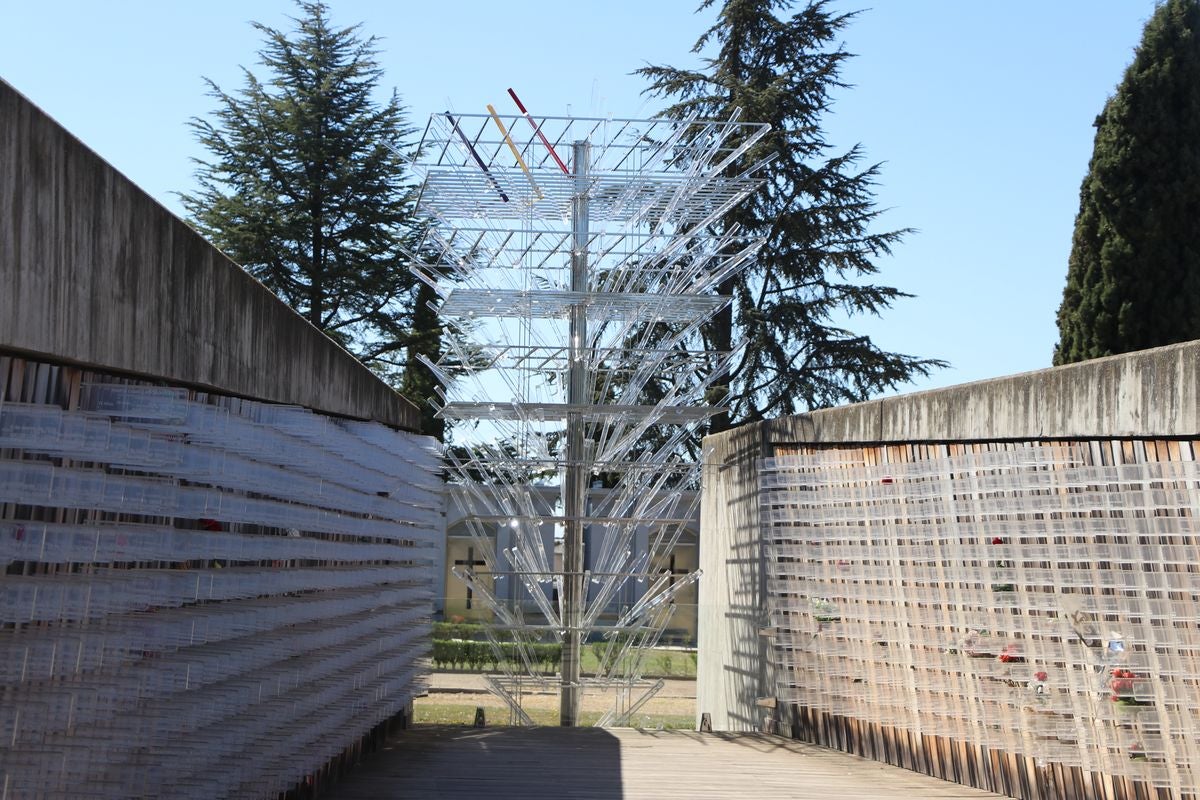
459, 763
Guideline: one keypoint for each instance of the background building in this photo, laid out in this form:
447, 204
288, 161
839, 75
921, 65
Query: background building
461, 550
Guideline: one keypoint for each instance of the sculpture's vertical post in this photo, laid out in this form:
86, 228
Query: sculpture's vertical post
576, 477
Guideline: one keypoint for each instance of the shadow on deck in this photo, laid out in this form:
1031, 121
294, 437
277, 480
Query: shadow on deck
593, 764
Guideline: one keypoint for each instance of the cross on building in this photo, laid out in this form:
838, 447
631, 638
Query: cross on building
470, 563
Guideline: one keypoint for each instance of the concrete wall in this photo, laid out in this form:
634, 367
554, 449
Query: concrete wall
1152, 394
96, 273
731, 654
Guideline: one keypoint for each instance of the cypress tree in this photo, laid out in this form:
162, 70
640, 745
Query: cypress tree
1133, 278
307, 190
816, 210
419, 383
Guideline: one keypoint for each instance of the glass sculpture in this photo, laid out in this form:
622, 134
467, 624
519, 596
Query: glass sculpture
576, 261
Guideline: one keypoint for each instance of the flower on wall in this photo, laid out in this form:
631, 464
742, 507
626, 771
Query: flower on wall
1125, 685
825, 610
1011, 654
1002, 564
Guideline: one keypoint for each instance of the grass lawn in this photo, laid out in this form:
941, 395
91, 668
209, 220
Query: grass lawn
657, 663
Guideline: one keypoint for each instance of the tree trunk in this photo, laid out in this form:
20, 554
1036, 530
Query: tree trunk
720, 338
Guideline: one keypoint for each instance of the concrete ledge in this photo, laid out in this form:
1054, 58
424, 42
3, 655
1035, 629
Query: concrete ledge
94, 272
1147, 394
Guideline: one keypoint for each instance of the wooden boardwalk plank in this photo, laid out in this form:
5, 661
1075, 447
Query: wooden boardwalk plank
623, 764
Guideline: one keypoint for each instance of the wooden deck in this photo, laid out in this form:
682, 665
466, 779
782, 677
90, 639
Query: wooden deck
593, 764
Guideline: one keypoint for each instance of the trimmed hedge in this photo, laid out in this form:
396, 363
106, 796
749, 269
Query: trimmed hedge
475, 655
471, 631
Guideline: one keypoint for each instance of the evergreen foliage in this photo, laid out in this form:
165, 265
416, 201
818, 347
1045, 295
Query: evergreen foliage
306, 189
1133, 279
816, 211
419, 383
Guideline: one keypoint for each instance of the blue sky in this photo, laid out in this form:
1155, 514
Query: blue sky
982, 113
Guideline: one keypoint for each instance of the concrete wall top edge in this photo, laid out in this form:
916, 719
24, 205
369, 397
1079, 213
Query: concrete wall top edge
1145, 394
95, 272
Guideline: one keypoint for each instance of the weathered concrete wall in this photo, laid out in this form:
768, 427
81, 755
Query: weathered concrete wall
95, 272
732, 655
1145, 394
1149, 394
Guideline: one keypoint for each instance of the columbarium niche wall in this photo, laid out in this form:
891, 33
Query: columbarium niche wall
934, 604
201, 595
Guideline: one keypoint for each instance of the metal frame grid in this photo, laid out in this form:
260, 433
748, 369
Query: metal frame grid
495, 167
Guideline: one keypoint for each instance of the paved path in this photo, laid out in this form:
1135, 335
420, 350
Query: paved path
450, 682
622, 764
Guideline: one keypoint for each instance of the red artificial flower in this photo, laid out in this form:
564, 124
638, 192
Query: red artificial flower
1011, 655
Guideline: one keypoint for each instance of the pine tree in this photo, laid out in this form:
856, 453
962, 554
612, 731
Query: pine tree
1133, 278
307, 187
816, 211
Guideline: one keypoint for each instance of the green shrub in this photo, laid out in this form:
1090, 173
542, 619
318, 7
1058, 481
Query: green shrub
459, 630
474, 655
471, 631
